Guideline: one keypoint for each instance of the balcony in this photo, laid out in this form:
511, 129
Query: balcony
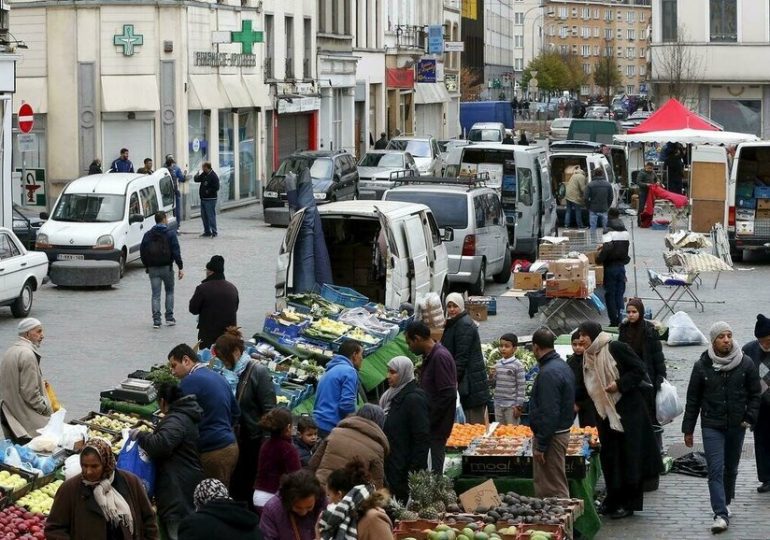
269, 69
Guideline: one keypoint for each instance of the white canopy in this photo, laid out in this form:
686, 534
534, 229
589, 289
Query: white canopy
688, 136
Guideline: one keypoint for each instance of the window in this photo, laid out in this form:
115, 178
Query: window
608, 33
8, 247
167, 191
518, 17
607, 14
562, 13
630, 70
133, 206
518, 64
586, 50
449, 209
642, 52
149, 201
630, 89
608, 51
631, 33
642, 70
642, 17
269, 37
563, 49
631, 16
668, 20
723, 20
597, 13
585, 90
597, 30
597, 50
518, 41
524, 185
741, 115
586, 12
630, 52
585, 32
289, 30
308, 44
91, 207
587, 69
563, 31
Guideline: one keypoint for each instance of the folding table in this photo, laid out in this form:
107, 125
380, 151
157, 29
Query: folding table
679, 285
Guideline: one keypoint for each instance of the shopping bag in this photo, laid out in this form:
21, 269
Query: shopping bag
682, 331
52, 399
459, 412
135, 460
667, 403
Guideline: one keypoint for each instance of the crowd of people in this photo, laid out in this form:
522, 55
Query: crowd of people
229, 461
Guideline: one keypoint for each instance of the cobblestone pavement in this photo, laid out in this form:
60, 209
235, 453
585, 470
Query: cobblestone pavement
94, 338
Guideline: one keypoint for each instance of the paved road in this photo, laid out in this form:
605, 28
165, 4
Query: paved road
95, 338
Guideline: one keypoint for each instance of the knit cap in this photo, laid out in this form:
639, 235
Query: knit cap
30, 323
718, 328
762, 328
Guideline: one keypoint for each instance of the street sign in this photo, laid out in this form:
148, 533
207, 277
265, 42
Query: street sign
26, 118
435, 39
27, 142
454, 46
33, 186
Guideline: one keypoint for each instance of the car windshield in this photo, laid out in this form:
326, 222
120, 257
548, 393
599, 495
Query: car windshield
416, 148
484, 135
382, 160
450, 210
320, 168
90, 208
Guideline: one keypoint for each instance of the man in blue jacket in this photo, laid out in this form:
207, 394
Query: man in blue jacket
122, 164
159, 251
338, 389
551, 414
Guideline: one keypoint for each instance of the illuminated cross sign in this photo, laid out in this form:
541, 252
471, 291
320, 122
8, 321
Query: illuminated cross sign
128, 40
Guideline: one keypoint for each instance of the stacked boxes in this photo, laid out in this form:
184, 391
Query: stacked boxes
570, 278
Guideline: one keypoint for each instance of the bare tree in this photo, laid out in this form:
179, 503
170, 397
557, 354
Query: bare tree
677, 67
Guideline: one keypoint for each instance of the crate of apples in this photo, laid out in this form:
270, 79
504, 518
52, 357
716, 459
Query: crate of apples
17, 522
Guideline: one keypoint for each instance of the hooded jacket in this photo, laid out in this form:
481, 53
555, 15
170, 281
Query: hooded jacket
24, 400
461, 338
576, 188
171, 237
337, 393
173, 448
353, 437
215, 301
615, 246
221, 519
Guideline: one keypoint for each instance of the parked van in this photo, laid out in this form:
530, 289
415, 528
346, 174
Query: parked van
103, 217
487, 132
528, 204
594, 130
748, 199
415, 262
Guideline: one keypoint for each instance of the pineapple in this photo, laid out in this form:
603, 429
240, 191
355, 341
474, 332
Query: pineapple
400, 513
429, 513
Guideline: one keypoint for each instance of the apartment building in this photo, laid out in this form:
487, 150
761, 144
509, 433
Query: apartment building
369, 47
723, 72
593, 29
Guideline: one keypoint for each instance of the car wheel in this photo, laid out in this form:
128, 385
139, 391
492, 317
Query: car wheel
23, 304
505, 273
478, 288
122, 263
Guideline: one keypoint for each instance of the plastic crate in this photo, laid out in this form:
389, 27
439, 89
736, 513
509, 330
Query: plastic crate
277, 328
488, 301
762, 192
344, 296
29, 478
368, 347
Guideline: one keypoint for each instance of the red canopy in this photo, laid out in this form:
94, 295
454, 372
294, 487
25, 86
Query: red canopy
674, 115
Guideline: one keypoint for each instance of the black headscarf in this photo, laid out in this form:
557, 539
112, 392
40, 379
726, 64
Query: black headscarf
634, 334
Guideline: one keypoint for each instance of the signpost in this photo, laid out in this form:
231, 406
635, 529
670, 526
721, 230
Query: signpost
26, 118
26, 139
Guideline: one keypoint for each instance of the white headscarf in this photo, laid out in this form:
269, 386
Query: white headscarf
456, 299
404, 367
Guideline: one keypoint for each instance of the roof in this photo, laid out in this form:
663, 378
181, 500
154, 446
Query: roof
106, 183
672, 116
369, 208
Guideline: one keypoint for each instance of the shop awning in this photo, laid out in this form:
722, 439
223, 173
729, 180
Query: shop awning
126, 93
32, 90
431, 93
206, 93
257, 90
236, 91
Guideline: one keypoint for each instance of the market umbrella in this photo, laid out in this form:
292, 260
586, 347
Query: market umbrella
673, 115
687, 136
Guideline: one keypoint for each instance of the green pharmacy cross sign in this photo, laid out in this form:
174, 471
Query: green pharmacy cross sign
247, 37
128, 40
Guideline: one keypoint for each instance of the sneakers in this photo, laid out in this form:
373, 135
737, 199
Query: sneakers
156, 325
729, 512
170, 322
719, 525
764, 488
206, 235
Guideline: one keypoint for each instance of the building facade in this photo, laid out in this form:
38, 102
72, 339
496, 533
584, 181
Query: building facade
369, 48
723, 73
591, 30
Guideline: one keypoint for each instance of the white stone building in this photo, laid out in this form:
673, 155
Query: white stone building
369, 48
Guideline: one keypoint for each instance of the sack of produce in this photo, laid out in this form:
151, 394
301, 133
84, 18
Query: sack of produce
431, 312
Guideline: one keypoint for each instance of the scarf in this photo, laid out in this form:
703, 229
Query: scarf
729, 362
405, 370
339, 521
114, 507
599, 371
209, 490
634, 337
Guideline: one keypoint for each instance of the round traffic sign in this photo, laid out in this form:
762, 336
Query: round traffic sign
26, 118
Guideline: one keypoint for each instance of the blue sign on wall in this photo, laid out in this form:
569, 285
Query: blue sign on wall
435, 39
426, 71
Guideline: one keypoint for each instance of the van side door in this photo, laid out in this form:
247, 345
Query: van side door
526, 210
397, 286
419, 263
135, 230
548, 202
439, 263
484, 239
284, 264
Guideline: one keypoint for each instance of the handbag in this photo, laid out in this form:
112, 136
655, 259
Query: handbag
52, 399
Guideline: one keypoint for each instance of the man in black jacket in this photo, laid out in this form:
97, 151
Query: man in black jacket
551, 412
724, 389
759, 351
209, 182
215, 302
613, 255
159, 250
598, 199
382, 142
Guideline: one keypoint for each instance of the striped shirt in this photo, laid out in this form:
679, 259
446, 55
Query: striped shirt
509, 383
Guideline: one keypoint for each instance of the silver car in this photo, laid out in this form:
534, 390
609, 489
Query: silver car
559, 129
424, 150
375, 171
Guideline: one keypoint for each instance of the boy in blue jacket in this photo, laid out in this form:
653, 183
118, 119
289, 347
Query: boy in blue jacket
338, 389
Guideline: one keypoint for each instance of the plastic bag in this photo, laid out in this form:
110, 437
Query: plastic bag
459, 412
431, 312
51, 434
682, 331
135, 460
72, 466
667, 403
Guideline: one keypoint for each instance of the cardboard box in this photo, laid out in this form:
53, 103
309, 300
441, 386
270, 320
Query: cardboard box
599, 273
567, 288
763, 214
478, 312
763, 204
482, 495
591, 256
744, 214
569, 268
528, 281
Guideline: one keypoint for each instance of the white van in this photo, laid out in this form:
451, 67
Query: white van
416, 259
748, 199
487, 132
103, 217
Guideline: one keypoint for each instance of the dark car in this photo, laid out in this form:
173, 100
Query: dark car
335, 178
26, 223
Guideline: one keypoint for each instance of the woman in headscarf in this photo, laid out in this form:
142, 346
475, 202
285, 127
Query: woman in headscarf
407, 426
613, 375
461, 338
101, 503
218, 516
643, 338
359, 435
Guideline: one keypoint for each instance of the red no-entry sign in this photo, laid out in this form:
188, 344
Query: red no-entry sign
26, 118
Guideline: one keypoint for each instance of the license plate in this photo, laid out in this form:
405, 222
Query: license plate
69, 257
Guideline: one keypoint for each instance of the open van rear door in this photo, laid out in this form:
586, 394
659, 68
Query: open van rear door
708, 187
283, 275
397, 286
419, 269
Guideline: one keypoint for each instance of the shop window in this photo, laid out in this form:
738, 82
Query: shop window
741, 115
247, 154
198, 146
226, 156
723, 20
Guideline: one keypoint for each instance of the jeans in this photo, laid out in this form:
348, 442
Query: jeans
593, 218
723, 453
162, 275
578, 211
614, 289
178, 207
209, 215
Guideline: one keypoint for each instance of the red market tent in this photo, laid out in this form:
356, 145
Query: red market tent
673, 115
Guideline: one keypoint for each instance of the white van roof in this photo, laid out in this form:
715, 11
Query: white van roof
107, 183
392, 209
487, 125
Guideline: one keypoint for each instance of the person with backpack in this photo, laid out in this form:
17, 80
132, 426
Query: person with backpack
159, 251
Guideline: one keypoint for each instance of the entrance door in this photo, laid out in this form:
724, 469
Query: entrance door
136, 135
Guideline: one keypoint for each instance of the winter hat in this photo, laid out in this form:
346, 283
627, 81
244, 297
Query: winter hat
456, 299
216, 264
762, 328
28, 324
718, 328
